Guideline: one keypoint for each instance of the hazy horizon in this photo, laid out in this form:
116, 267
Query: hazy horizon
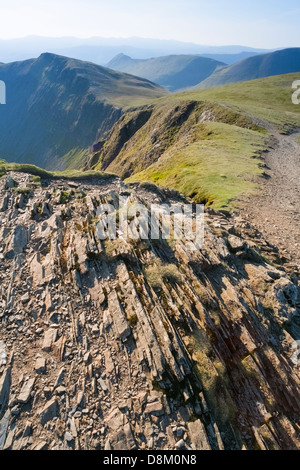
81, 40
218, 23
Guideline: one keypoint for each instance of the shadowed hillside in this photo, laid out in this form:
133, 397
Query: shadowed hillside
173, 72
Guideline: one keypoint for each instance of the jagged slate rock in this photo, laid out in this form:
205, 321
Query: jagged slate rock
68, 437
49, 411
131, 444
115, 420
37, 270
46, 210
219, 438
286, 294
109, 364
87, 357
198, 436
155, 408
103, 385
180, 445
5, 383
119, 441
217, 295
28, 429
40, 365
26, 390
107, 320
118, 315
25, 298
10, 183
3, 428
107, 445
43, 445
80, 399
58, 348
10, 437
18, 241
147, 336
236, 243
60, 377
4, 203
15, 411
167, 347
3, 355
49, 338
79, 402
73, 428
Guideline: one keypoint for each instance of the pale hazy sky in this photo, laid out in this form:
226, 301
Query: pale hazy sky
257, 23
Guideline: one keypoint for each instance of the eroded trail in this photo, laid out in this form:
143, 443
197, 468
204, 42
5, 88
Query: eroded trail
275, 211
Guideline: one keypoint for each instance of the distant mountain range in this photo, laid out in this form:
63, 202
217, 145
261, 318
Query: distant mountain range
230, 59
178, 72
260, 66
102, 50
173, 72
57, 107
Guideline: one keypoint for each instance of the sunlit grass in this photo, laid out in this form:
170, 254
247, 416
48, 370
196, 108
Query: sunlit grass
215, 170
44, 174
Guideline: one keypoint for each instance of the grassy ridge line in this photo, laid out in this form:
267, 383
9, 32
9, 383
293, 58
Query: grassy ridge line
220, 162
207, 151
66, 175
268, 99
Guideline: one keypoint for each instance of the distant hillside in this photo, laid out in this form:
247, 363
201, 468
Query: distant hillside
173, 72
57, 107
259, 66
230, 59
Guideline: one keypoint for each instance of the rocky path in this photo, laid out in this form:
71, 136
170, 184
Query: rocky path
275, 211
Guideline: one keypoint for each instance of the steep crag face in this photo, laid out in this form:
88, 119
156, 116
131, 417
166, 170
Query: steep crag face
140, 344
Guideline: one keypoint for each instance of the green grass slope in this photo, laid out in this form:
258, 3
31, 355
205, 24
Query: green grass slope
173, 72
34, 170
259, 66
57, 107
206, 144
269, 99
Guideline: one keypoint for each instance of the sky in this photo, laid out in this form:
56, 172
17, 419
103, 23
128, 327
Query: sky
256, 23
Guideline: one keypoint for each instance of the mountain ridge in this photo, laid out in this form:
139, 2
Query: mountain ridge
57, 106
259, 66
173, 72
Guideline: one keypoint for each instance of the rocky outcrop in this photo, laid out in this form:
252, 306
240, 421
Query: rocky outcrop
105, 350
